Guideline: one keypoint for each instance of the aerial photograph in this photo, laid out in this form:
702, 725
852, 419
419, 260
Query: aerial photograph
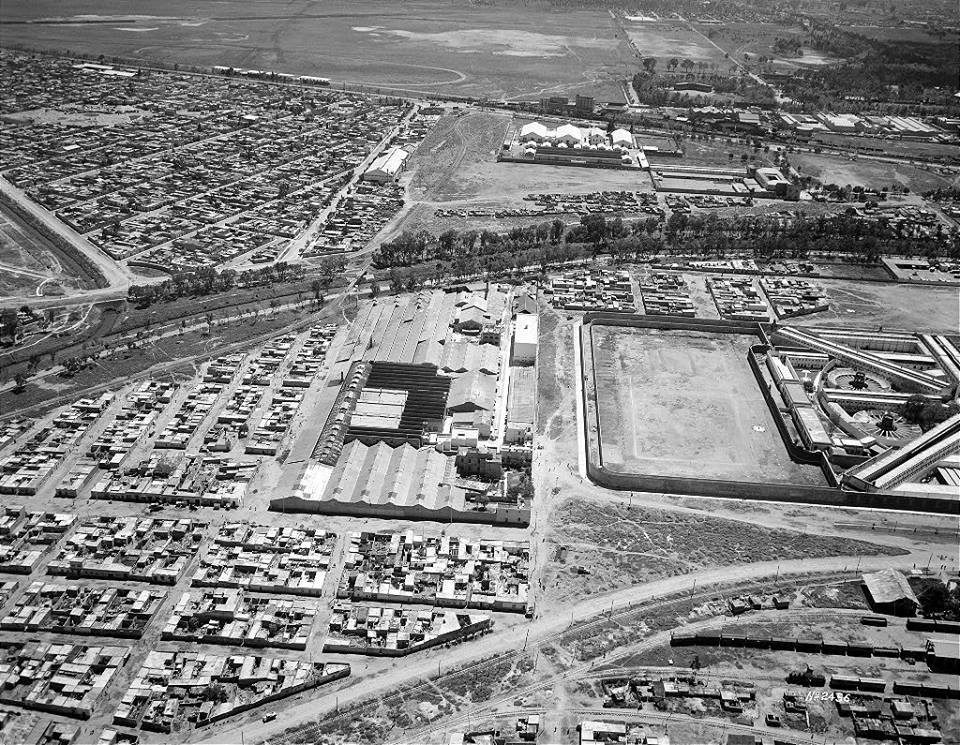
479, 372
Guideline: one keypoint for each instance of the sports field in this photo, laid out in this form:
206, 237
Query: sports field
501, 51
680, 403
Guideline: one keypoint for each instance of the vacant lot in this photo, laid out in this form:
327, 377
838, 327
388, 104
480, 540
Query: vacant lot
621, 546
456, 168
457, 163
460, 48
910, 307
686, 404
834, 170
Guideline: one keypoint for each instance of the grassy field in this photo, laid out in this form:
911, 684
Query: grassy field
668, 39
454, 47
686, 404
910, 307
833, 170
622, 546
744, 42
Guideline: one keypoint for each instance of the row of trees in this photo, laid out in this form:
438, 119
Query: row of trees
462, 253
657, 90
208, 281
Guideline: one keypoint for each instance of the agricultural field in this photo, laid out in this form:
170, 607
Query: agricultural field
431, 45
686, 404
870, 173
869, 305
619, 545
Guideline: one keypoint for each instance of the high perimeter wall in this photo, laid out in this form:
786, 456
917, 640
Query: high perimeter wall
826, 495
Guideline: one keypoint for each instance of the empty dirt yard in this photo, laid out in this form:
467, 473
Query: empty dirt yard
901, 306
682, 403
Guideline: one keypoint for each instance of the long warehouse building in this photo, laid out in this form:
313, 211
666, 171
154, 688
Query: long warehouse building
912, 380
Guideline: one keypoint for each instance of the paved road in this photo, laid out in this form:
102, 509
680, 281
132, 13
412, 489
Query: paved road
541, 630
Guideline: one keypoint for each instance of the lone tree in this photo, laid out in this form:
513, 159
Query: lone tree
913, 407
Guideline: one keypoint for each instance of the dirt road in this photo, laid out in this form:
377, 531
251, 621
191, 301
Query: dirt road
543, 629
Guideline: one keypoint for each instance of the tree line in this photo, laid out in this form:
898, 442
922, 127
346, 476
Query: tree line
415, 258
208, 281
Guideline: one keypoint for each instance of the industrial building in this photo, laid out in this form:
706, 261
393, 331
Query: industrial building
387, 166
889, 592
902, 468
418, 430
526, 329
568, 144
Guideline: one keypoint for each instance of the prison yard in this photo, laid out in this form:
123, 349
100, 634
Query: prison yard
667, 411
493, 373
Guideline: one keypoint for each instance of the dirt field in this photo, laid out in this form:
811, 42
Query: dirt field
911, 307
457, 163
27, 261
620, 546
686, 404
433, 45
833, 170
456, 168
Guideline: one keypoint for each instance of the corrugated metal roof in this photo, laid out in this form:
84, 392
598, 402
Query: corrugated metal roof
889, 586
472, 388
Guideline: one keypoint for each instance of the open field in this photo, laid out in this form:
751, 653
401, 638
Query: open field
456, 167
27, 261
457, 163
717, 153
745, 42
869, 173
472, 50
911, 307
668, 39
686, 404
155, 352
619, 546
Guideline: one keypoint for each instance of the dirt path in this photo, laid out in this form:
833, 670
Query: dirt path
118, 277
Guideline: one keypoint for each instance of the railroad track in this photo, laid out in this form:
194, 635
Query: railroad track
533, 648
